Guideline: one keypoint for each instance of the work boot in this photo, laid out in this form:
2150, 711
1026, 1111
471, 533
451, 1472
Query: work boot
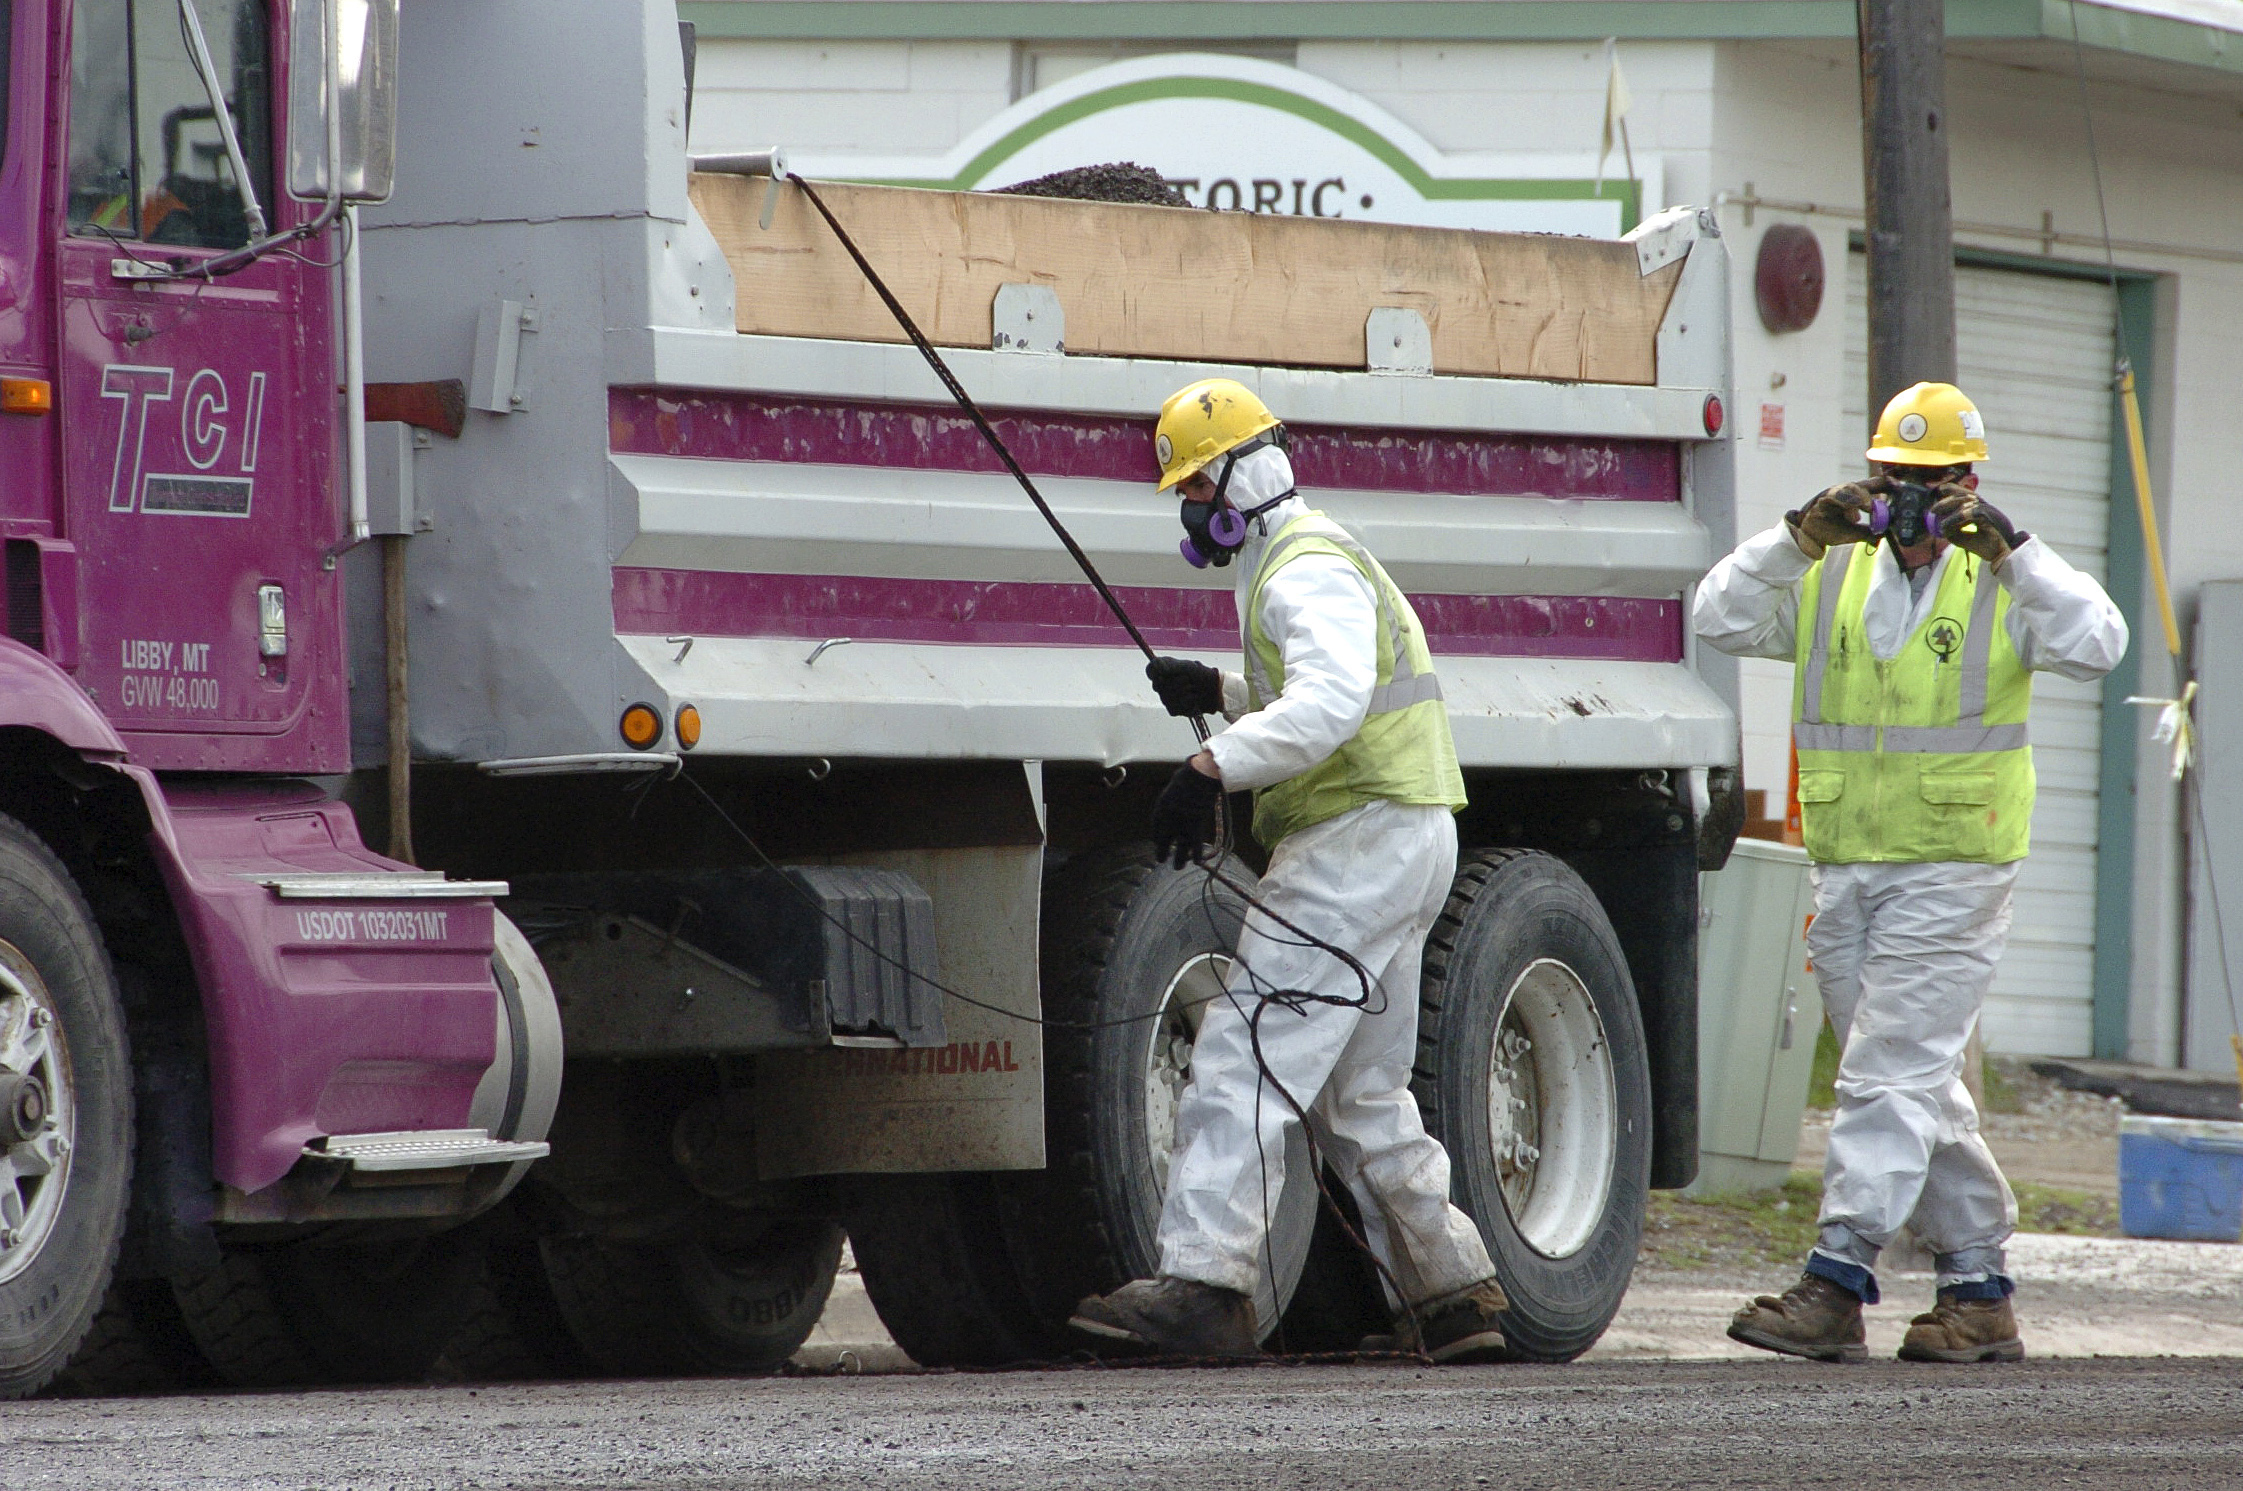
1172, 1317
1814, 1318
1460, 1329
1964, 1330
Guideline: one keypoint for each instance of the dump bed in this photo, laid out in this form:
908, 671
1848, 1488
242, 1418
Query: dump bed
703, 451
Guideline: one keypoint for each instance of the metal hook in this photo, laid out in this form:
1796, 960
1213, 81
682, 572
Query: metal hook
819, 651
685, 645
1115, 777
820, 769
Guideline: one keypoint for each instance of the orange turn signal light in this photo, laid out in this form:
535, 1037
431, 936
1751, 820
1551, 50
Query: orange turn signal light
642, 727
688, 726
26, 396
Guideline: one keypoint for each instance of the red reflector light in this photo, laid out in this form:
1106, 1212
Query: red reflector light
1715, 414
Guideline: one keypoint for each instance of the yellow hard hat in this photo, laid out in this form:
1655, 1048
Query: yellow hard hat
1931, 424
1202, 420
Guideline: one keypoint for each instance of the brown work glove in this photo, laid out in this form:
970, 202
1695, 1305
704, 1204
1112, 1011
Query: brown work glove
1968, 521
1839, 516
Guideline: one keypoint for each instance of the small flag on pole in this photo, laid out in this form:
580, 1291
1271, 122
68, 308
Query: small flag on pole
1616, 104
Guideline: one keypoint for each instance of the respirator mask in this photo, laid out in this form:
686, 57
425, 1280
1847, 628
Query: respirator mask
1901, 509
1215, 531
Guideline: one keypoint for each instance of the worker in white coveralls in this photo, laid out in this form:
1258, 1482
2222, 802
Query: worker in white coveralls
1914, 614
1338, 728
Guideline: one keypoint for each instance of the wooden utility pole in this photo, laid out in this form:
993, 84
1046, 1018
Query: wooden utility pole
1910, 227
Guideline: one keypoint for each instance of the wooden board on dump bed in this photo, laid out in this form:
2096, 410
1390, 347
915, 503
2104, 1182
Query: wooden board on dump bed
1195, 286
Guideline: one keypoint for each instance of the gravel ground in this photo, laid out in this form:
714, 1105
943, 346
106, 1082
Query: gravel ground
1764, 1424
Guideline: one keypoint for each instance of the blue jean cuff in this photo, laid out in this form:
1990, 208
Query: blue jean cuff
1851, 1277
1999, 1286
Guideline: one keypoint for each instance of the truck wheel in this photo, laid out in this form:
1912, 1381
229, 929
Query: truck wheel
938, 1269
66, 1116
513, 1330
1532, 1071
302, 1315
708, 1304
1134, 950
138, 1345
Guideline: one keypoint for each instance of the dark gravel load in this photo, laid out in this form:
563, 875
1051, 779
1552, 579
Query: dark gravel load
1121, 181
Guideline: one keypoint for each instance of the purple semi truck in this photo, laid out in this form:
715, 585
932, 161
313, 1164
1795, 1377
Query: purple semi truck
753, 774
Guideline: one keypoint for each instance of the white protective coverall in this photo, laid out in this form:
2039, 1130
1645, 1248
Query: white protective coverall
1904, 953
1372, 881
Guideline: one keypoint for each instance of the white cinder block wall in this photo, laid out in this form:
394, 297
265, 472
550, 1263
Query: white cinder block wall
879, 97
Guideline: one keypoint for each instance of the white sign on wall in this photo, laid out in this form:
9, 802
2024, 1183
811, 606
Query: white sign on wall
1242, 134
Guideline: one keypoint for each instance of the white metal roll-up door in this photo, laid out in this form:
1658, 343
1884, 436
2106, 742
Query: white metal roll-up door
2035, 353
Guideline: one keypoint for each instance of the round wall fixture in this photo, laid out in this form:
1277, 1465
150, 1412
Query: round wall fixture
1787, 277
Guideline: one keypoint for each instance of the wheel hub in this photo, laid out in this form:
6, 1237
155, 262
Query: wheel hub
1168, 1056
23, 1108
1553, 1108
37, 1117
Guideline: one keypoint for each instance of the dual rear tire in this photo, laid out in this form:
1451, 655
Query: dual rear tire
1531, 1070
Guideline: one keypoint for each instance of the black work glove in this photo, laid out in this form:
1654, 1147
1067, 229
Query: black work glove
1839, 515
1969, 522
1185, 687
1184, 817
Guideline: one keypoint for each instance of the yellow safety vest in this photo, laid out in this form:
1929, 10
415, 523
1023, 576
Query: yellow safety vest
1404, 751
1923, 756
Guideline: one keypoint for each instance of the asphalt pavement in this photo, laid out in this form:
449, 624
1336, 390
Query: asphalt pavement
2113, 1425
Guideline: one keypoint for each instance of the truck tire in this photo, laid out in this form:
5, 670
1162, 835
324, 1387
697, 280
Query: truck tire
937, 1267
66, 1121
1532, 1072
138, 1345
1126, 939
301, 1315
513, 1330
696, 1307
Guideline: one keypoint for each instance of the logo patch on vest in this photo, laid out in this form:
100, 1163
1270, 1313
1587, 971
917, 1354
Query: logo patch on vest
1945, 637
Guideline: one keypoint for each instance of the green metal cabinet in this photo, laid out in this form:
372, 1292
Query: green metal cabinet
1758, 1015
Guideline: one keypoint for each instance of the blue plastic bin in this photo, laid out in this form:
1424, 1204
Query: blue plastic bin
2180, 1178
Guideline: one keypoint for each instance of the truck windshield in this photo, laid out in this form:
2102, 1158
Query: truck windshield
147, 159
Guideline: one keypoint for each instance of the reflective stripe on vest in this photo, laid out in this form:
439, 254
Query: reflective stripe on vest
1402, 752
1405, 686
1917, 787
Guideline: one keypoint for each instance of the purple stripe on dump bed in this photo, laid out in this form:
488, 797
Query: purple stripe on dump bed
672, 602
748, 427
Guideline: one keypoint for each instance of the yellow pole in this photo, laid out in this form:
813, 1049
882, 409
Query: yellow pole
2138, 450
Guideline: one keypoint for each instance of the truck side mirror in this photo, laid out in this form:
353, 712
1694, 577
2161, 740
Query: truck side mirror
353, 44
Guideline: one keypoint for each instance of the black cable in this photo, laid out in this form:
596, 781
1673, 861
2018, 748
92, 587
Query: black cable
988, 432
1297, 1000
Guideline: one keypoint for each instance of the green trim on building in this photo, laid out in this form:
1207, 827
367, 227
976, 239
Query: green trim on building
1289, 20
2127, 580
2159, 38
2156, 38
1432, 188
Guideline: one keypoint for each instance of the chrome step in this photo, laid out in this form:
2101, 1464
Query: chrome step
426, 1149
378, 885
